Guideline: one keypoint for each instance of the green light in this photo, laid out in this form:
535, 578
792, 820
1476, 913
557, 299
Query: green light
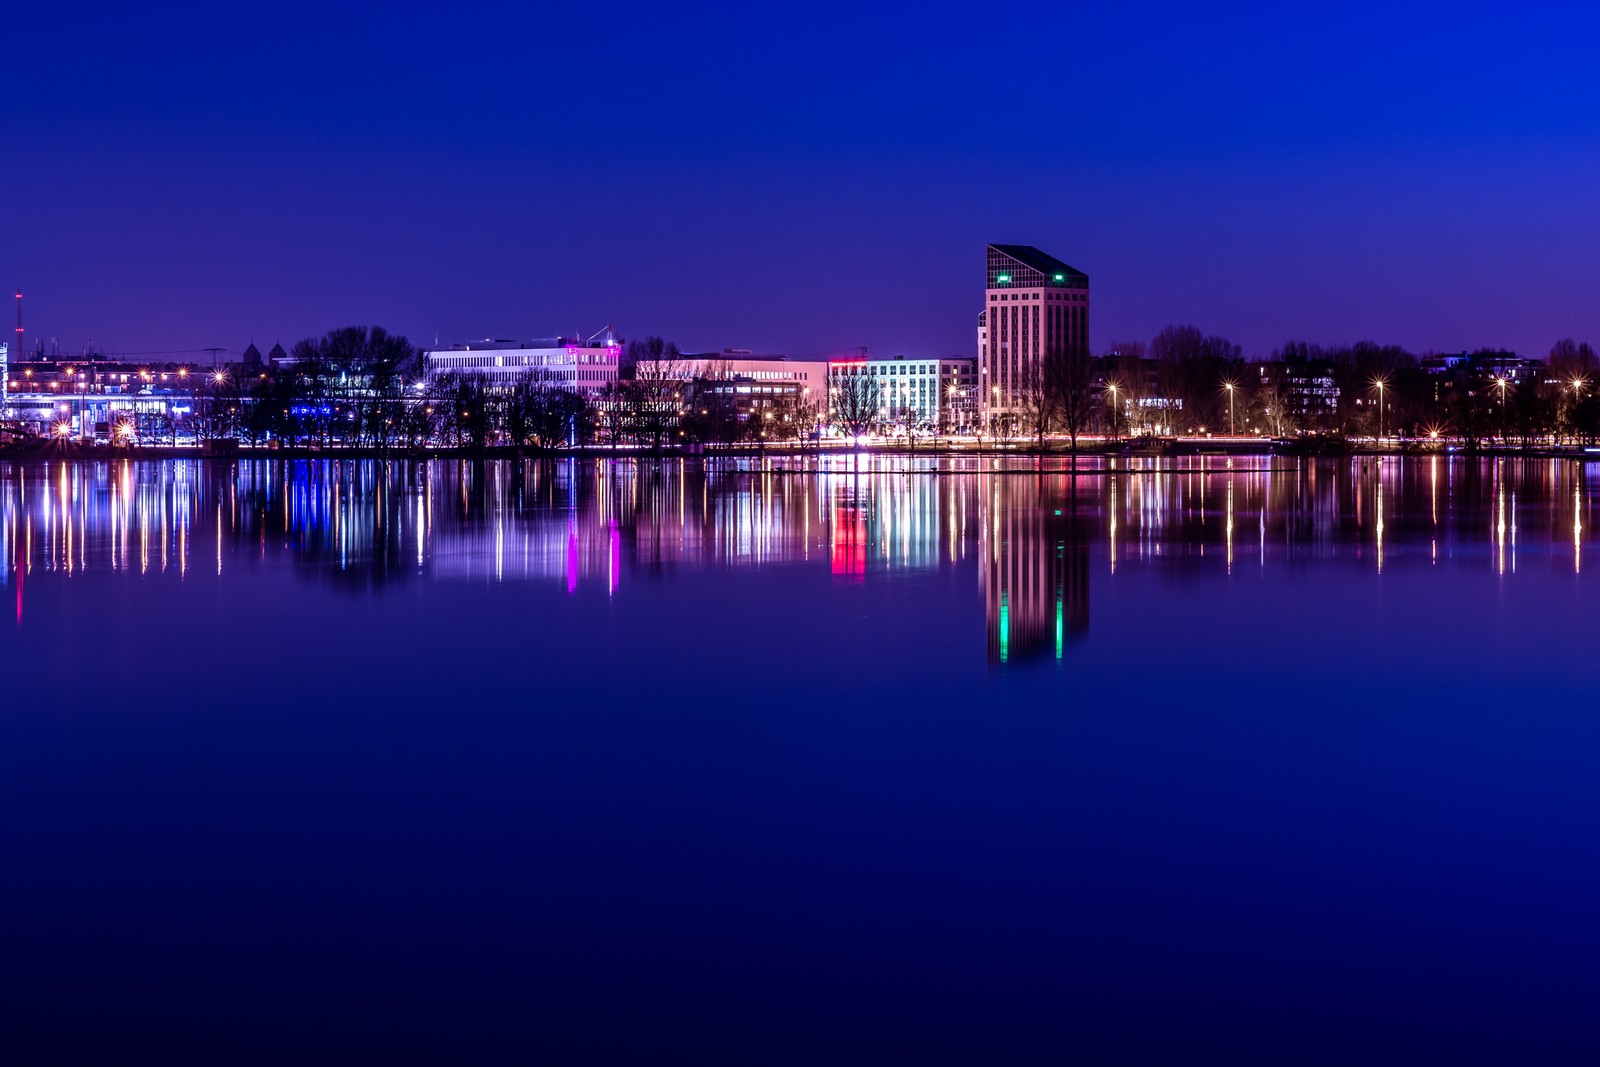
1058, 625
1005, 628
1002, 277
1061, 277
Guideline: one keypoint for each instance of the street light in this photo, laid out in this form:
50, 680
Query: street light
1577, 396
1380, 383
1232, 432
1114, 407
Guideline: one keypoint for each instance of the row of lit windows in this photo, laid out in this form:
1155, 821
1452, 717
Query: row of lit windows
912, 369
1075, 298
92, 376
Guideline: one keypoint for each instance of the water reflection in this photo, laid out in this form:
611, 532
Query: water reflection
1029, 533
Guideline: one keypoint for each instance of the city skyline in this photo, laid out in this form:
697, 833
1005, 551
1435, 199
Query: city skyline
609, 533
1221, 170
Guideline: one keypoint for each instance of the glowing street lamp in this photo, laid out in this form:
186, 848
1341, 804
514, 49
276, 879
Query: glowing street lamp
1232, 431
1380, 383
1576, 384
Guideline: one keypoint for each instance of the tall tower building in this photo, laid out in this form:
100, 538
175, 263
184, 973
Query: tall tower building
1034, 306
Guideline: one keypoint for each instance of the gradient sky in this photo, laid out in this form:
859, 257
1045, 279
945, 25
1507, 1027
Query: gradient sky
802, 179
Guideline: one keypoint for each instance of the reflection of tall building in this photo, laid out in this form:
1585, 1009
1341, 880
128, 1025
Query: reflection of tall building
1035, 570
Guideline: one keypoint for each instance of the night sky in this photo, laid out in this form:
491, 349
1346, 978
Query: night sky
799, 178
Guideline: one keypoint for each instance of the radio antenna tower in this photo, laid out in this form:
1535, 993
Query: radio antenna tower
18, 348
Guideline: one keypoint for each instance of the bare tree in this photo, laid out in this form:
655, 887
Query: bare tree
855, 400
1271, 402
655, 394
1468, 409
521, 400
1191, 365
1036, 400
610, 413
1070, 375
1572, 361
557, 415
470, 407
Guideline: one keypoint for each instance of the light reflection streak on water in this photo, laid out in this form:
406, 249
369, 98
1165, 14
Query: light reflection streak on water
1113, 486
1378, 514
1500, 521
1577, 529
615, 522
1229, 524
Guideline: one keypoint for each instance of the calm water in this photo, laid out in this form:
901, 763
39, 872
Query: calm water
1211, 761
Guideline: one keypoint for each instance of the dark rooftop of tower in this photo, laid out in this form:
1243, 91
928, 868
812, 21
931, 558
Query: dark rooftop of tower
1042, 262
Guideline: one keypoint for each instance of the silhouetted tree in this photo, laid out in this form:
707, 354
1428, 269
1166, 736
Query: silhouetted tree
855, 400
1036, 400
1071, 377
655, 391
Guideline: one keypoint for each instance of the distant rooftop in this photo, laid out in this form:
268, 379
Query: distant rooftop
502, 344
735, 353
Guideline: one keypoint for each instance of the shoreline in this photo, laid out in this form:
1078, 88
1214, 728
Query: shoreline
47, 450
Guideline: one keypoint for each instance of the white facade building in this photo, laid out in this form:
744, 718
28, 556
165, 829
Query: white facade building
587, 367
931, 394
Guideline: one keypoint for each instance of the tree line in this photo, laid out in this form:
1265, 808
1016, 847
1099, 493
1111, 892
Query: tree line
1186, 382
366, 388
362, 387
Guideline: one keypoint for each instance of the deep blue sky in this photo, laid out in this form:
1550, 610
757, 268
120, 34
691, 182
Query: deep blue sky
797, 178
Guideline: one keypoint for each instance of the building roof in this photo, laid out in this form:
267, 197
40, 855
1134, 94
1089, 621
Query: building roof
252, 354
277, 353
1030, 258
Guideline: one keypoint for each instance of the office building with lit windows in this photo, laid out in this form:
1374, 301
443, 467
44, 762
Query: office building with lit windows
1034, 305
589, 367
929, 394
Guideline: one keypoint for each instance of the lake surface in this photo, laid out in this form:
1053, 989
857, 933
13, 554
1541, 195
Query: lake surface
799, 761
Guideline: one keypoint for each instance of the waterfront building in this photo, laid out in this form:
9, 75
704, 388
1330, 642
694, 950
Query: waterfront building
1306, 390
738, 384
807, 376
1486, 367
919, 393
1034, 305
86, 394
588, 366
